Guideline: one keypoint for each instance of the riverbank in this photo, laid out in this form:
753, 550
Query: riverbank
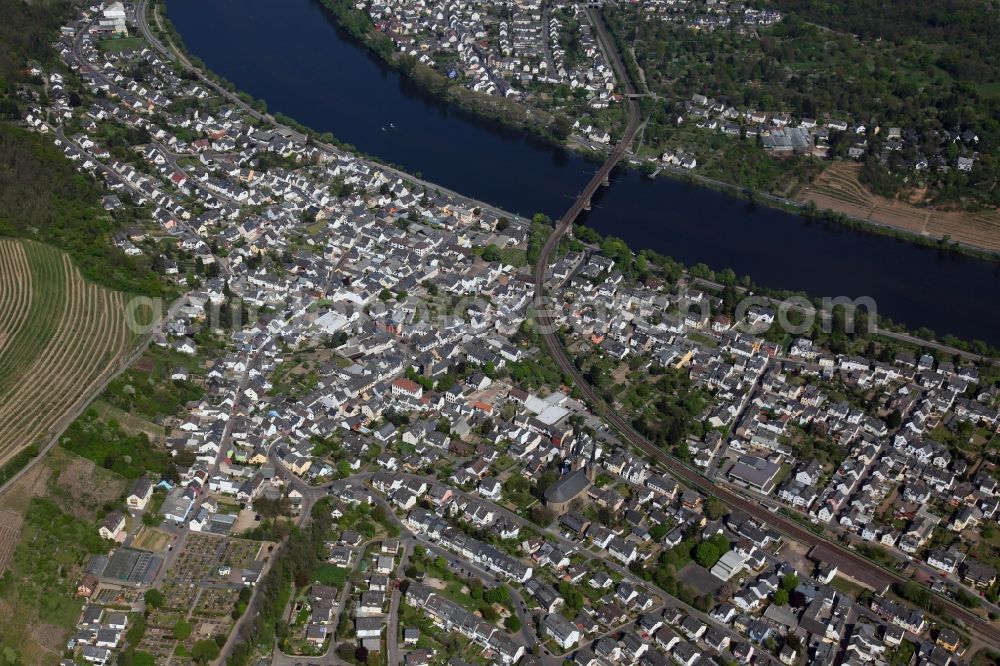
165, 30
840, 217
377, 109
960, 232
888, 327
839, 189
511, 114
924, 334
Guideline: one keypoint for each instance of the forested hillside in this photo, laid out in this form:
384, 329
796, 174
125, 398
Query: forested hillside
42, 196
928, 67
966, 29
26, 31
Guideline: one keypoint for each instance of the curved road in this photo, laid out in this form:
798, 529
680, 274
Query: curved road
527, 633
845, 558
171, 52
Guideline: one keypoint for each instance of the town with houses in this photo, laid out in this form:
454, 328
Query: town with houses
781, 134
709, 15
482, 513
519, 50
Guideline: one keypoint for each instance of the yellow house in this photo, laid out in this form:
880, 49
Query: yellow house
684, 360
948, 639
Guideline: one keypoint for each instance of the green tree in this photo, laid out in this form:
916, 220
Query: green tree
182, 630
143, 659
154, 598
512, 624
561, 126
9, 656
345, 651
714, 509
204, 651
967, 599
496, 595
542, 515
572, 596
707, 554
491, 253
781, 597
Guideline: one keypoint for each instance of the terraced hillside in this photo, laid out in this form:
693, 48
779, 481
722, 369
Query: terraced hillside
839, 189
59, 337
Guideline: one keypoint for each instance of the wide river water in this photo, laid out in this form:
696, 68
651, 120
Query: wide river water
288, 54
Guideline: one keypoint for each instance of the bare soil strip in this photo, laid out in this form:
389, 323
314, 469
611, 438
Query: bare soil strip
10, 530
838, 189
15, 300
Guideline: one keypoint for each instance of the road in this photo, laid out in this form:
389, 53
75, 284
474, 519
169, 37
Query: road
171, 157
845, 558
631, 95
894, 335
392, 622
617, 155
713, 467
96, 389
600, 177
527, 634
139, 194
174, 54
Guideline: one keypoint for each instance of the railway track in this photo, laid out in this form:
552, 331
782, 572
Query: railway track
846, 559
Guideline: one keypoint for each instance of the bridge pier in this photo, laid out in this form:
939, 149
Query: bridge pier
586, 206
607, 181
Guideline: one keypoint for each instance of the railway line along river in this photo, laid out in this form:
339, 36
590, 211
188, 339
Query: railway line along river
287, 53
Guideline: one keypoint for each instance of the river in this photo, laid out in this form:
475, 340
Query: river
288, 54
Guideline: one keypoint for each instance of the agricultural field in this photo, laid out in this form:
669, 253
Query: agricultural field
81, 488
839, 189
10, 530
59, 337
47, 532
